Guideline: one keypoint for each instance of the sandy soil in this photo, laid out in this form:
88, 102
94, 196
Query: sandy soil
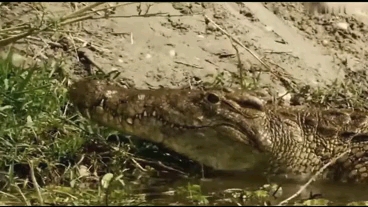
174, 50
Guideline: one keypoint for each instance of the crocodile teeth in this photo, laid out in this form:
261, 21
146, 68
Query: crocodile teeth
145, 113
129, 120
102, 103
141, 97
87, 113
154, 113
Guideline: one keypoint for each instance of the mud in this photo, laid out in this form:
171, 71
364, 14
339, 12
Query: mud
172, 49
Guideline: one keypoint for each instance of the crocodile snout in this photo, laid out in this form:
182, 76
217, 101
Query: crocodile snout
85, 93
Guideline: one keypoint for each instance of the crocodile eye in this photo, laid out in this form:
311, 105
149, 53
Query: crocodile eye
212, 98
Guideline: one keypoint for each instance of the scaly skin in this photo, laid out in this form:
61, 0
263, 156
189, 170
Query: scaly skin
302, 140
226, 129
203, 126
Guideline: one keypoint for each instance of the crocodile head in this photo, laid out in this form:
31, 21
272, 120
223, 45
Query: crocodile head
211, 127
226, 129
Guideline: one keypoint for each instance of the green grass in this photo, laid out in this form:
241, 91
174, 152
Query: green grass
44, 145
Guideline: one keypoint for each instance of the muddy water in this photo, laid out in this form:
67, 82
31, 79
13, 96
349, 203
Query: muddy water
338, 193
161, 190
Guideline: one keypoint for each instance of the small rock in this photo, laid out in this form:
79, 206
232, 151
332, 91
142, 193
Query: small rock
269, 28
342, 25
355, 35
16, 59
211, 27
325, 42
83, 171
297, 100
286, 97
172, 53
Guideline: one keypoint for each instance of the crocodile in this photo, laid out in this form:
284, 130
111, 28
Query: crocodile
233, 129
189, 122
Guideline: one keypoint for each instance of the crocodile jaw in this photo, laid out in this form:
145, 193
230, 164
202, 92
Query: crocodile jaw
175, 118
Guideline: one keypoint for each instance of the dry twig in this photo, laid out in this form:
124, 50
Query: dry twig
287, 83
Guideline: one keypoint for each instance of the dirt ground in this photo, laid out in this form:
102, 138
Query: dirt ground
179, 46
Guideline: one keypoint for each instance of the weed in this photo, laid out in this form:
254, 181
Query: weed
44, 143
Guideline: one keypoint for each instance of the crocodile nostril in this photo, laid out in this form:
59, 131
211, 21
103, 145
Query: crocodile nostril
212, 98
